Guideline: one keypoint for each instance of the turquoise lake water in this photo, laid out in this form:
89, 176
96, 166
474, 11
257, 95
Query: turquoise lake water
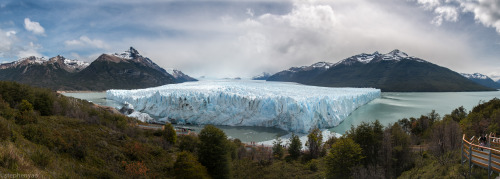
387, 109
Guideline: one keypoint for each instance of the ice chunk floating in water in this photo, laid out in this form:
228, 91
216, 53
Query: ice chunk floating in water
289, 106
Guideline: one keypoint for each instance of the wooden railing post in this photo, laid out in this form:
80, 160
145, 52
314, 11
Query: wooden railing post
470, 158
489, 165
462, 150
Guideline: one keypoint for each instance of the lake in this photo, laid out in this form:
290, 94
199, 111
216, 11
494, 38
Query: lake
387, 109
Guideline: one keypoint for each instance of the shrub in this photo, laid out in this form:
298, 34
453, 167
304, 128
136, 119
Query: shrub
189, 143
169, 133
5, 132
25, 106
41, 159
186, 166
344, 155
26, 117
135, 169
5, 110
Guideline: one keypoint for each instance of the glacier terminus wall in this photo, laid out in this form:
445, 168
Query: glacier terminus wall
289, 106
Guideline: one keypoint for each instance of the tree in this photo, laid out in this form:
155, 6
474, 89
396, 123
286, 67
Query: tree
186, 167
213, 152
314, 142
446, 136
344, 155
459, 114
400, 143
295, 146
369, 136
169, 133
277, 148
189, 143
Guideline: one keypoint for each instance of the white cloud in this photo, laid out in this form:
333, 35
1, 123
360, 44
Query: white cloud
10, 33
33, 26
429, 4
485, 11
86, 41
447, 13
6, 43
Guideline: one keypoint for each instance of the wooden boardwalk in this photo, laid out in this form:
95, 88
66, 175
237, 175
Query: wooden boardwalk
487, 157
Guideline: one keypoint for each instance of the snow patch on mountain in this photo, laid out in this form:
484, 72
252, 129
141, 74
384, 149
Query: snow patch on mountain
395, 55
475, 76
288, 106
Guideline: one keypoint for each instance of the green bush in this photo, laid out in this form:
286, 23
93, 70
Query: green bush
186, 167
344, 155
169, 133
189, 143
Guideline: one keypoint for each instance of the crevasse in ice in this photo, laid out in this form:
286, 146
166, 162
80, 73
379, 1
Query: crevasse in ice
289, 106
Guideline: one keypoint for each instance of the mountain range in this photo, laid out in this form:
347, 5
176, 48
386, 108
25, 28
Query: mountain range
391, 72
127, 70
482, 80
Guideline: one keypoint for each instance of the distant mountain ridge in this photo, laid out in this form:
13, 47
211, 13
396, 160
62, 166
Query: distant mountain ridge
262, 76
127, 70
394, 71
482, 80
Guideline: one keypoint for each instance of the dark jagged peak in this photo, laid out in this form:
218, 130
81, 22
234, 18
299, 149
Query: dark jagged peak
133, 52
129, 54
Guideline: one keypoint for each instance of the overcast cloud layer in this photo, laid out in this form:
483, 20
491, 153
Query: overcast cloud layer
245, 38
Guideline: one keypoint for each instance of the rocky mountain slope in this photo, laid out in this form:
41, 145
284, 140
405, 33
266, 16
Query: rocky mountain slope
394, 71
482, 80
127, 70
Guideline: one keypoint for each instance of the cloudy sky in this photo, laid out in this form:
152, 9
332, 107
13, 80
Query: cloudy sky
230, 38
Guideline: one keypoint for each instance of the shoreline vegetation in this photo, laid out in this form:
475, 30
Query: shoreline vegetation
54, 136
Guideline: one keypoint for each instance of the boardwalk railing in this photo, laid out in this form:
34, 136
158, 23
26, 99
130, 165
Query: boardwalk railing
482, 156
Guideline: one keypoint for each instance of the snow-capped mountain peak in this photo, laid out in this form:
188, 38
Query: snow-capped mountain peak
395, 55
325, 65
129, 54
76, 64
364, 58
24, 61
475, 76
174, 72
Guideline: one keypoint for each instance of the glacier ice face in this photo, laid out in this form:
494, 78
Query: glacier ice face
289, 106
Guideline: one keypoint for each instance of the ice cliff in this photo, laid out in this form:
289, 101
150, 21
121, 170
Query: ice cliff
289, 106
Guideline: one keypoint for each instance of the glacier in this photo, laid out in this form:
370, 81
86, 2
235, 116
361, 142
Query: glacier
289, 106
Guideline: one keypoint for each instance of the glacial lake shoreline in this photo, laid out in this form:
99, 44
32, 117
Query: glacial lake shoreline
389, 108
